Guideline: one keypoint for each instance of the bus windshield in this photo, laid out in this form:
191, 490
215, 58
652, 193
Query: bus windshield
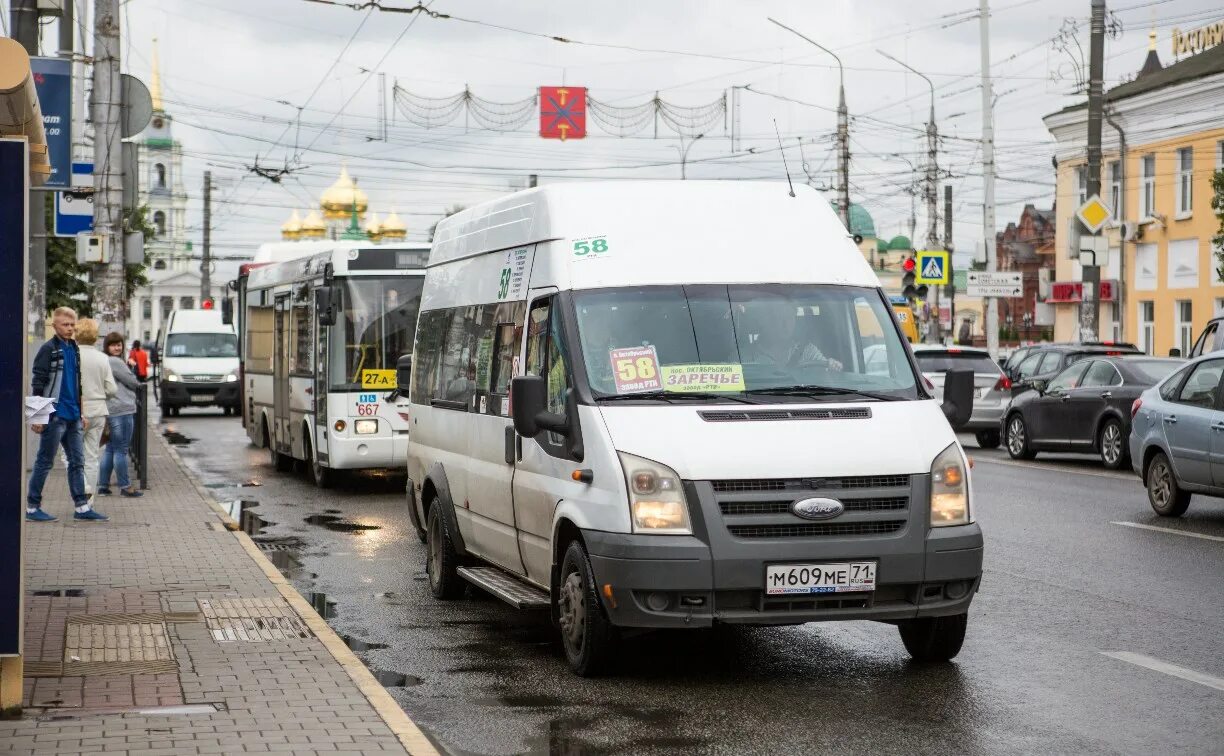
201, 345
375, 324
742, 339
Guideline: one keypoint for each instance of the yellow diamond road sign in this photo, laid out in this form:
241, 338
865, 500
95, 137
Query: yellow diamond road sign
1094, 214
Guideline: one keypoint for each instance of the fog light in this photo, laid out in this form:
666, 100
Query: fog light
340, 426
657, 601
365, 427
956, 590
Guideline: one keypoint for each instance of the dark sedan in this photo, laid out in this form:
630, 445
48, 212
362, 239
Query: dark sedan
1084, 408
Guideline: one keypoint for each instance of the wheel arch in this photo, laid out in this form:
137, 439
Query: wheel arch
1149, 453
1106, 416
435, 491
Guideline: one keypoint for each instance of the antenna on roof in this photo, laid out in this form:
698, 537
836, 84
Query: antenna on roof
785, 167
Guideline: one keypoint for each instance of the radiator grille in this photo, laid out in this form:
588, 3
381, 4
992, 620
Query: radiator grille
882, 504
808, 530
811, 484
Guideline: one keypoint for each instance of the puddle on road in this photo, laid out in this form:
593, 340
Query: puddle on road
359, 646
319, 602
394, 679
175, 438
250, 484
525, 701
332, 522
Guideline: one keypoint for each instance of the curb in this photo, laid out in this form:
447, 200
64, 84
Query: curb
409, 735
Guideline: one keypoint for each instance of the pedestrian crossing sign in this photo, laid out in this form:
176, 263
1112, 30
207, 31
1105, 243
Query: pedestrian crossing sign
933, 267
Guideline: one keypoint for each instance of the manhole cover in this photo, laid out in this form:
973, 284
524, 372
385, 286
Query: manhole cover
115, 642
252, 619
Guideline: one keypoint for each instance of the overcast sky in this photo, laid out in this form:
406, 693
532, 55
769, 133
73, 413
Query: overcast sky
235, 73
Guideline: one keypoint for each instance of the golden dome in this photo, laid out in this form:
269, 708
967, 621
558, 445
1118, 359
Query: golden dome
292, 228
313, 226
372, 228
338, 201
393, 228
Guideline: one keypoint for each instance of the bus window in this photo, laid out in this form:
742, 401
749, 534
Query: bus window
376, 324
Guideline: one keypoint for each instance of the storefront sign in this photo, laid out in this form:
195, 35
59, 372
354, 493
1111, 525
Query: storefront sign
1062, 292
1197, 40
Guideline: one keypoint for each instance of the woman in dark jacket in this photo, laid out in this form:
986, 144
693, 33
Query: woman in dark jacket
122, 421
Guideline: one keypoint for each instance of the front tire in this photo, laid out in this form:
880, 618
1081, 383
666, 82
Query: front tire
988, 439
1164, 494
1114, 454
323, 477
441, 562
934, 639
587, 635
1017, 438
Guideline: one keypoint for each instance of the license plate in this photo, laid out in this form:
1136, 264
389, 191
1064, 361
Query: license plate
844, 577
201, 398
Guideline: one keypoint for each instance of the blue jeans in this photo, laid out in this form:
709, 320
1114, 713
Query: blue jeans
116, 453
70, 435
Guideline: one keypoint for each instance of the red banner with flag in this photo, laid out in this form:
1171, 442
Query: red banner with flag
563, 112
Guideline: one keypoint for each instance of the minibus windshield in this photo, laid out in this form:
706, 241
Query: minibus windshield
783, 340
201, 345
375, 324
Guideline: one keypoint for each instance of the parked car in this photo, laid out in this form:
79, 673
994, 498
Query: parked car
1084, 408
1014, 358
1046, 360
1210, 340
992, 389
1177, 445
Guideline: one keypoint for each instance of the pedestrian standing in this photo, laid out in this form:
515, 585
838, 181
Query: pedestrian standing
57, 375
97, 387
141, 358
122, 420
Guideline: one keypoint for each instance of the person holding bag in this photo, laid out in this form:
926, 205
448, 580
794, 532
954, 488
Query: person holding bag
121, 421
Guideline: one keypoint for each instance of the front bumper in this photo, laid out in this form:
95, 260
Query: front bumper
349, 451
188, 394
988, 417
712, 577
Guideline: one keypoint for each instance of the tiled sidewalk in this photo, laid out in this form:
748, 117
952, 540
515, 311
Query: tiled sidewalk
164, 631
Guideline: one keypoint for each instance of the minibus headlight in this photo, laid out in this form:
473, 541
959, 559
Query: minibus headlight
231, 378
950, 489
656, 497
170, 375
365, 427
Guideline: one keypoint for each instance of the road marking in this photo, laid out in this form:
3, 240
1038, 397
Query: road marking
1164, 667
1052, 467
1174, 531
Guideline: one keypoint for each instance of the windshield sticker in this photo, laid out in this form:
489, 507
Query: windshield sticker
378, 379
178, 350
484, 359
590, 247
635, 369
512, 283
694, 378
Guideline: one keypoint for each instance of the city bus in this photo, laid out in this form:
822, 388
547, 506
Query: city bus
320, 337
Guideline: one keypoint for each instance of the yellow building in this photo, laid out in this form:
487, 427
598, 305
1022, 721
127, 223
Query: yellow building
1162, 140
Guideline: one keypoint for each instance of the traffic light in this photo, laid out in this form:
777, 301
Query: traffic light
908, 289
207, 304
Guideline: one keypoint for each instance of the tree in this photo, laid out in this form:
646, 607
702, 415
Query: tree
448, 213
1217, 204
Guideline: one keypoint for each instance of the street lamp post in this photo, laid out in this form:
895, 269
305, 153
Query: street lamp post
843, 131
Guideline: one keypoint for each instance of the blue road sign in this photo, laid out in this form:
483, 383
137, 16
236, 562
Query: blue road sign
932, 266
53, 83
14, 235
74, 213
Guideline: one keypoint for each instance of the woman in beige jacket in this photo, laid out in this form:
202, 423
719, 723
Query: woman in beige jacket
97, 386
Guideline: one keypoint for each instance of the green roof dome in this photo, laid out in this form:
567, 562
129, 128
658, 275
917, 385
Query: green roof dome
861, 222
900, 242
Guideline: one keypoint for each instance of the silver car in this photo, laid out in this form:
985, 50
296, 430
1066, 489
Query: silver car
992, 389
1177, 436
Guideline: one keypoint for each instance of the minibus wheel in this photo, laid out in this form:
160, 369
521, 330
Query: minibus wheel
441, 561
934, 639
588, 636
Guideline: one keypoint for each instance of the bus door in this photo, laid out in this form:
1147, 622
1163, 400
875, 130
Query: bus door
280, 377
318, 434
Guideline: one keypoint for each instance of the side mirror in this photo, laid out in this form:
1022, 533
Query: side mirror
958, 397
403, 373
1039, 384
529, 398
227, 311
324, 306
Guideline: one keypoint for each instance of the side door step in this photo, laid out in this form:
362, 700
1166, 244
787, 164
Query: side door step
506, 587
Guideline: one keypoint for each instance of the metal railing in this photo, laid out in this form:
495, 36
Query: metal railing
139, 449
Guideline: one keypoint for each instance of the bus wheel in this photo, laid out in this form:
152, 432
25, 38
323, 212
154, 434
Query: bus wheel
588, 636
323, 476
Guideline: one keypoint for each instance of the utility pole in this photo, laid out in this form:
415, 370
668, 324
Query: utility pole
951, 271
988, 179
843, 131
382, 105
1091, 278
23, 20
206, 258
110, 307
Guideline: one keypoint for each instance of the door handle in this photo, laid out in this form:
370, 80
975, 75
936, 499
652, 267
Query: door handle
1107, 395
1217, 426
1170, 419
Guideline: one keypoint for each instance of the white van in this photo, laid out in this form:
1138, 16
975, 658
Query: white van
675, 404
197, 362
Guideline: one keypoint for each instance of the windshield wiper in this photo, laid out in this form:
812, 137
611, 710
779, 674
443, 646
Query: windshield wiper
666, 395
817, 390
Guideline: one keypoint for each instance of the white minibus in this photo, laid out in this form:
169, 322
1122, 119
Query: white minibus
677, 404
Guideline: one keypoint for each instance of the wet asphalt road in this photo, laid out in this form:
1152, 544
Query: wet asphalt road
1063, 586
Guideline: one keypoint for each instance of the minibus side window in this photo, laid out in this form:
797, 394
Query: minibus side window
546, 356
